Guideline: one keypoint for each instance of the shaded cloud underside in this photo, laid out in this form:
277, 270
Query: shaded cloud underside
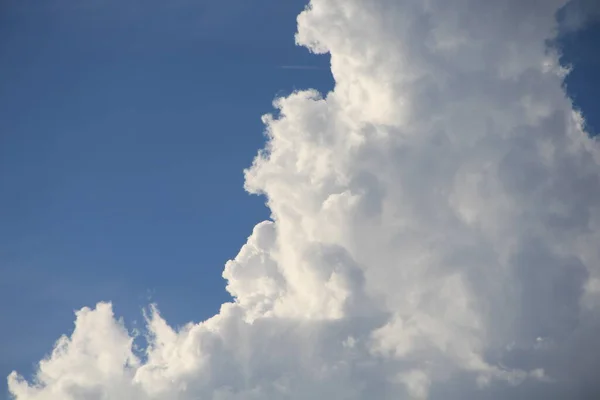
434, 234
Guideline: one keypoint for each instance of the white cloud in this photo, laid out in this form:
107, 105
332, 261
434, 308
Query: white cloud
436, 221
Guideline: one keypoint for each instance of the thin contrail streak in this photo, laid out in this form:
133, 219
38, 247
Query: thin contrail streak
306, 67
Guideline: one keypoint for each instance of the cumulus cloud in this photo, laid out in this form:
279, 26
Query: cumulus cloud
434, 233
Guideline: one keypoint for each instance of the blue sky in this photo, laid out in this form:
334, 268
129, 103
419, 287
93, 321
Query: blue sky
125, 131
580, 50
125, 127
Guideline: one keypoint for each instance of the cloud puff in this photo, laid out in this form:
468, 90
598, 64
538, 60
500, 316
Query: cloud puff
434, 234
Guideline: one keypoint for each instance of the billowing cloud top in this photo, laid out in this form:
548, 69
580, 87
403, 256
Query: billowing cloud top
434, 234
